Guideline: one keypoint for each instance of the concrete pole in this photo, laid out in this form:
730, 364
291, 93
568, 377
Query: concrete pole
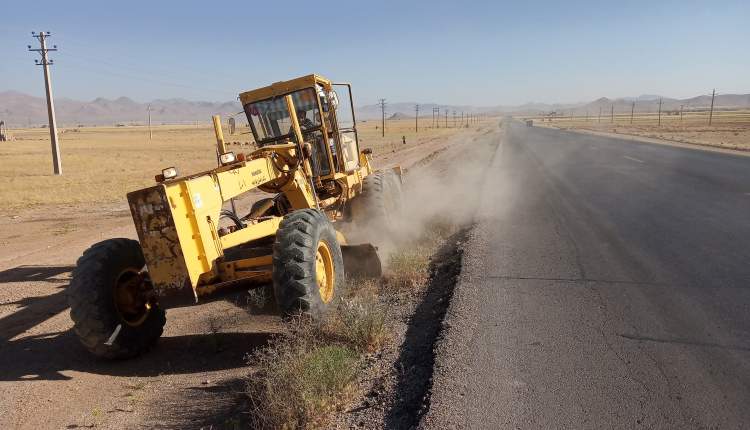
56, 161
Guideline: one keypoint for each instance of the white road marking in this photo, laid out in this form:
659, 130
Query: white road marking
634, 159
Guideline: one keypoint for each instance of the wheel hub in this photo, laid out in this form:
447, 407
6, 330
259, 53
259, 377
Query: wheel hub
324, 275
130, 297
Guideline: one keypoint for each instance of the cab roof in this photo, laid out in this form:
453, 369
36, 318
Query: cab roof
283, 87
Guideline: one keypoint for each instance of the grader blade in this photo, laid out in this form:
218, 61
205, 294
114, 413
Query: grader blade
361, 261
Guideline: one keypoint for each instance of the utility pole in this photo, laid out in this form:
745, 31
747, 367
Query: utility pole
381, 102
659, 111
632, 110
45, 63
612, 114
416, 118
462, 119
681, 106
454, 118
446, 118
150, 134
600, 114
711, 114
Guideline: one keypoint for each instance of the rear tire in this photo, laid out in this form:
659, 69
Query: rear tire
93, 309
378, 209
308, 268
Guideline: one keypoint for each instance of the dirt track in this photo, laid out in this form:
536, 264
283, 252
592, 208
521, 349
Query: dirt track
192, 377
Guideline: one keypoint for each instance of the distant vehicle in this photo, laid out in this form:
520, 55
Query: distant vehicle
529, 123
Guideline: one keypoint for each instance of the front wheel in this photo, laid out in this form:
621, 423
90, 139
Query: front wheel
308, 268
111, 314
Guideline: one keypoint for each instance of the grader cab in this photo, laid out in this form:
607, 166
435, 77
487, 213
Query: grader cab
193, 244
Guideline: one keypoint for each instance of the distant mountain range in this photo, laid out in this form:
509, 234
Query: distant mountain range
18, 109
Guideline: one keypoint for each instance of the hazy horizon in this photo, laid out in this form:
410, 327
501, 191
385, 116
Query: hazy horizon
642, 97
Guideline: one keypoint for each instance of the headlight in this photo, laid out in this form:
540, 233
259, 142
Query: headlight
169, 173
227, 158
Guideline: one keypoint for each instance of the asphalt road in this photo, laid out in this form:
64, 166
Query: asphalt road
607, 286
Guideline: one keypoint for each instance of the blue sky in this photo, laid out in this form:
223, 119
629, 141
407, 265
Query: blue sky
481, 53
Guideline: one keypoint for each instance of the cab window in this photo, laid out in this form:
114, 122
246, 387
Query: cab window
269, 119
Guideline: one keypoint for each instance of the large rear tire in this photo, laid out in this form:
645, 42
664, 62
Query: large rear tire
377, 210
308, 269
96, 305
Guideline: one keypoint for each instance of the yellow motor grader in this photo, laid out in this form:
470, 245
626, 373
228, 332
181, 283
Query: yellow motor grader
193, 244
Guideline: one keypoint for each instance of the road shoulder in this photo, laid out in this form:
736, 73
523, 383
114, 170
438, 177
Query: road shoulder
644, 139
446, 404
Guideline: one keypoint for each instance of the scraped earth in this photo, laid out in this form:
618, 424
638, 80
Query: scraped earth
192, 378
395, 387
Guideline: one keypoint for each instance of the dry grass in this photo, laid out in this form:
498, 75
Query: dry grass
102, 164
308, 373
408, 265
729, 129
99, 164
299, 380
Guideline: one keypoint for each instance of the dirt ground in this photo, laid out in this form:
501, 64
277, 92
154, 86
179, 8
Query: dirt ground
195, 372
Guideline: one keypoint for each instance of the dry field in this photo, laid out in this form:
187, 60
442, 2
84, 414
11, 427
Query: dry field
101, 164
729, 129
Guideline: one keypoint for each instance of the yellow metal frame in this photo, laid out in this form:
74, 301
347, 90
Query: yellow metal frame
178, 220
282, 88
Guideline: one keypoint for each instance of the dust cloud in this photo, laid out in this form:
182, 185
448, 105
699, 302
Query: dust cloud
441, 194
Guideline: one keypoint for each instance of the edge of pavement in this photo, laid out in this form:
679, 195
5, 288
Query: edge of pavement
644, 139
452, 350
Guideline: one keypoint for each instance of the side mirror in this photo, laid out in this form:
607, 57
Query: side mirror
334, 98
323, 101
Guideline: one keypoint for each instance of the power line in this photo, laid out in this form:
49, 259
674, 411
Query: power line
45, 63
119, 73
119, 63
